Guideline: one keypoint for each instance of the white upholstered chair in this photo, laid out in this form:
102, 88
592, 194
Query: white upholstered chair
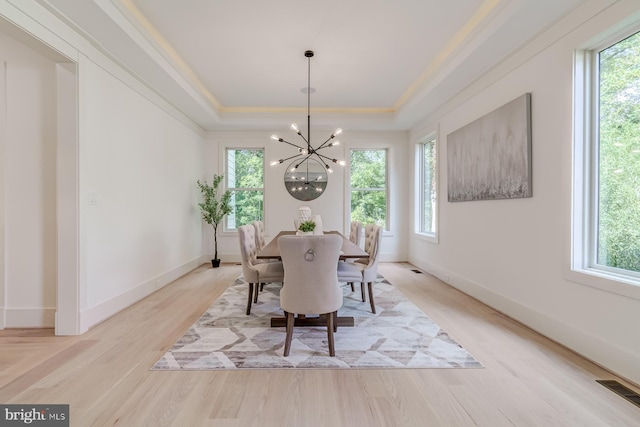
260, 241
319, 228
310, 281
259, 230
355, 232
253, 272
364, 270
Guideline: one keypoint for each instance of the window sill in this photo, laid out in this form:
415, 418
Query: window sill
605, 281
427, 237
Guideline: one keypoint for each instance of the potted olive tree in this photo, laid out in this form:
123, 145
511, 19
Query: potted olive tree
214, 208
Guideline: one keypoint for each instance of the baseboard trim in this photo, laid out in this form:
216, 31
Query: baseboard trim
99, 313
609, 356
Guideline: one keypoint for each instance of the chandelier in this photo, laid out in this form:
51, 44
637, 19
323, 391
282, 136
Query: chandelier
307, 150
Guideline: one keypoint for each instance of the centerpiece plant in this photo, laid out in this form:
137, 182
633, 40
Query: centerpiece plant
307, 226
213, 208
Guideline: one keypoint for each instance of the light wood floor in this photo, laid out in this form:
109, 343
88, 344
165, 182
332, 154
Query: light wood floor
104, 374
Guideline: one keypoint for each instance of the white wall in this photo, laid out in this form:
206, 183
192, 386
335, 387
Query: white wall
138, 167
139, 157
514, 254
281, 208
29, 183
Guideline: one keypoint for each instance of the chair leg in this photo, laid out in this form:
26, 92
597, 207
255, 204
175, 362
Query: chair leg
352, 287
256, 291
250, 298
335, 321
371, 301
362, 291
287, 341
332, 351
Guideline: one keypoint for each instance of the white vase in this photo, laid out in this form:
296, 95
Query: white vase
304, 213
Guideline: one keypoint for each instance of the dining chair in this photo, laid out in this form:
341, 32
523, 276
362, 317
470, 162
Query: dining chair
260, 244
260, 240
310, 281
356, 232
259, 230
253, 272
364, 270
319, 228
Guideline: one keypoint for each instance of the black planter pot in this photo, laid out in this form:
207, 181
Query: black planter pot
215, 263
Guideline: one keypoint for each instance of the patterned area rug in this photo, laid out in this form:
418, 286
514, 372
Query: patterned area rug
400, 335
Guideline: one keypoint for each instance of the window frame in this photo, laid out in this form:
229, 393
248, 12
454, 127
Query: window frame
386, 227
419, 231
226, 150
583, 266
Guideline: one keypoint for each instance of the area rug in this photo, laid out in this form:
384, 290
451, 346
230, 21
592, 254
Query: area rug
400, 335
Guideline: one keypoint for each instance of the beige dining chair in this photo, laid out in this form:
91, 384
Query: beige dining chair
260, 244
319, 227
364, 270
355, 232
253, 272
260, 241
310, 280
259, 230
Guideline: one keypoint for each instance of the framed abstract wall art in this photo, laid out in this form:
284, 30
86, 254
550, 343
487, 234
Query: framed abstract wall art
490, 158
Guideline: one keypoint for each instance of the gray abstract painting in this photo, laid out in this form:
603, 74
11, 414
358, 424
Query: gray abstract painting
490, 158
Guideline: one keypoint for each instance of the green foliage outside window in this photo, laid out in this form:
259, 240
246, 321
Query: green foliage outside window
368, 186
245, 172
619, 156
428, 186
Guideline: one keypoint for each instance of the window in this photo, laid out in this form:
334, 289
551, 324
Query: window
245, 180
369, 186
608, 241
426, 173
618, 156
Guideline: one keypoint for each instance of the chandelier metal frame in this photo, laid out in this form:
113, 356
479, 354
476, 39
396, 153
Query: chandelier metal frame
307, 151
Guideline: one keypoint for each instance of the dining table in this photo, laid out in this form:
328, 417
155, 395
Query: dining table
348, 250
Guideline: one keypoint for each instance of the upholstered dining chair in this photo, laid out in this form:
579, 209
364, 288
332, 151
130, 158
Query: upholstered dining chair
260, 243
363, 270
260, 240
253, 272
310, 280
319, 227
259, 230
355, 232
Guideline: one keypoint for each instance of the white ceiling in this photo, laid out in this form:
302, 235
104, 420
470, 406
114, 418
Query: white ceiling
240, 64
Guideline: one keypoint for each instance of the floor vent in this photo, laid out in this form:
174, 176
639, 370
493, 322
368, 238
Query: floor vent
416, 271
621, 390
